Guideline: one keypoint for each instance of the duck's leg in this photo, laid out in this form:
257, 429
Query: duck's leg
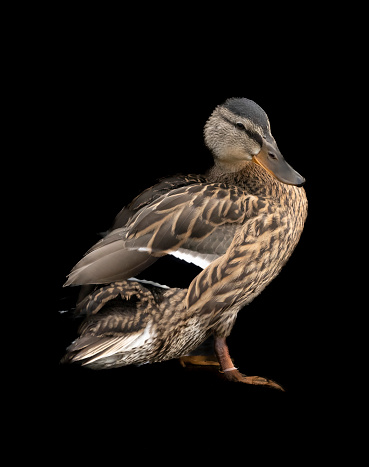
231, 373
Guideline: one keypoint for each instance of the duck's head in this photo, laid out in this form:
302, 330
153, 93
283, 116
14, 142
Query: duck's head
238, 133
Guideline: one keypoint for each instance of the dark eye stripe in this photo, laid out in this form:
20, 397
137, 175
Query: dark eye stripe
255, 136
251, 134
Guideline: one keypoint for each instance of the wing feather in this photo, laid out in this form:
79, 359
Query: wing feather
184, 217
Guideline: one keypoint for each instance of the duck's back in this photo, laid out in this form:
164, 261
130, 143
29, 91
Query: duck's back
151, 194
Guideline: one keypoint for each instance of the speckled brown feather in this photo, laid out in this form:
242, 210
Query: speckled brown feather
247, 220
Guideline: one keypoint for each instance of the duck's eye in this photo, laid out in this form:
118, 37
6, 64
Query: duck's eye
272, 156
240, 125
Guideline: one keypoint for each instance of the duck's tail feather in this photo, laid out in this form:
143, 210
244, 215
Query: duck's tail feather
88, 349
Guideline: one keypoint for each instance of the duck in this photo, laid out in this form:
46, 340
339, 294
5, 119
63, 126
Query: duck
239, 223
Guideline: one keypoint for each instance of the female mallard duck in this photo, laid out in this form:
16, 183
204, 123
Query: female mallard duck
240, 223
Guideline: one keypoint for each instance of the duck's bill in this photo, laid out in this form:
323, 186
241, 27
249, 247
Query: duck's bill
272, 160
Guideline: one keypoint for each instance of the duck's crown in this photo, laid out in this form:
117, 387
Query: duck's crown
250, 110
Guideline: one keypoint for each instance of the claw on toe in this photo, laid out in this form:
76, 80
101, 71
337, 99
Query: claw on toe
258, 380
236, 376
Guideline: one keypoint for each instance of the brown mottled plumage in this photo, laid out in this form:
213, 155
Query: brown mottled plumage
240, 222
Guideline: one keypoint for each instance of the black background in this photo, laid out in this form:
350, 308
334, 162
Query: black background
119, 110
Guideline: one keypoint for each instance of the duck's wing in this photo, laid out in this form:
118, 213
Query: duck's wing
200, 219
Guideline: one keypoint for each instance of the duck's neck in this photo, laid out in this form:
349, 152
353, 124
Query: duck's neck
257, 181
251, 177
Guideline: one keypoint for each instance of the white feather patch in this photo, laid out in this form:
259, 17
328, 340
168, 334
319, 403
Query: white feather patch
199, 259
143, 281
